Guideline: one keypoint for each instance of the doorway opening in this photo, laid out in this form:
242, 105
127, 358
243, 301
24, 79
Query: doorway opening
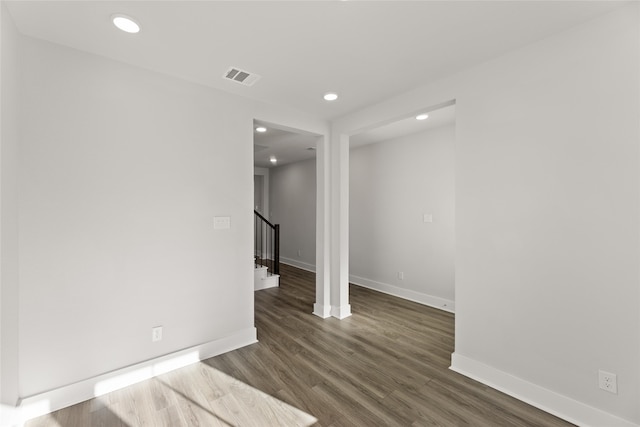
285, 189
401, 208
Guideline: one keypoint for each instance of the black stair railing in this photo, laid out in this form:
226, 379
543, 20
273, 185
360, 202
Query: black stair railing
267, 243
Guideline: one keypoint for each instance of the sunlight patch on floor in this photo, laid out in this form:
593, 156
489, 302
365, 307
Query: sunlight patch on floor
177, 391
144, 373
202, 395
16, 416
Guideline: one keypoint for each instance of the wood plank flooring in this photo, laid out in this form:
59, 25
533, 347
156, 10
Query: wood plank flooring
386, 365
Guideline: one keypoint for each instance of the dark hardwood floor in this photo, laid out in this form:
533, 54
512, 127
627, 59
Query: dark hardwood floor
386, 365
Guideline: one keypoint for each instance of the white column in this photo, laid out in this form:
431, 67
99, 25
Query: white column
340, 307
322, 306
9, 218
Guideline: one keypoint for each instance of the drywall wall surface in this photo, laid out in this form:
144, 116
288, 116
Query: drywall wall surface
261, 179
122, 172
547, 213
9, 139
547, 180
393, 185
293, 205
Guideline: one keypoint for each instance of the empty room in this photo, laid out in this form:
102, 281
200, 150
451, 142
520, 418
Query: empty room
484, 271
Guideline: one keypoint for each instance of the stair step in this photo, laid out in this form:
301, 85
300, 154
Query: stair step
272, 281
260, 273
263, 280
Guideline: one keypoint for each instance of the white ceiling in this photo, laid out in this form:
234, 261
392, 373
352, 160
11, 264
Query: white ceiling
289, 146
366, 51
408, 126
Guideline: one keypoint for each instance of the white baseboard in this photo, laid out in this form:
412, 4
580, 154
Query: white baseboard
341, 312
430, 300
298, 264
549, 401
322, 311
53, 400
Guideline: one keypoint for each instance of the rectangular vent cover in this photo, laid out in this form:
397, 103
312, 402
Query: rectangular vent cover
240, 76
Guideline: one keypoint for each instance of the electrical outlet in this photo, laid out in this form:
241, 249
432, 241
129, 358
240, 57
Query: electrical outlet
608, 381
156, 333
400, 275
299, 252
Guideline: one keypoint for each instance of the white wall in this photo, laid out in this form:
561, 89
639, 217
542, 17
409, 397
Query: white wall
8, 210
392, 185
108, 200
121, 174
292, 190
548, 214
547, 217
263, 173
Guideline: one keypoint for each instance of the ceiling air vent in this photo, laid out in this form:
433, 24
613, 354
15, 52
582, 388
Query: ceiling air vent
240, 76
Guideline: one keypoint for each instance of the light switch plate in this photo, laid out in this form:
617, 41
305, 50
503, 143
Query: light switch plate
156, 333
222, 223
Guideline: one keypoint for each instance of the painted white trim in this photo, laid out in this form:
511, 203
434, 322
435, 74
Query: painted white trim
341, 312
323, 229
62, 397
408, 294
549, 401
322, 311
267, 282
298, 264
264, 172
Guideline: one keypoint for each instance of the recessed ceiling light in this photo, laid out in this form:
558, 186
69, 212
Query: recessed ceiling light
273, 159
422, 117
126, 23
261, 129
330, 96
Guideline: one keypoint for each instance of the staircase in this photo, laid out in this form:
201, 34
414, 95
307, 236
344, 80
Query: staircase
263, 279
266, 253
